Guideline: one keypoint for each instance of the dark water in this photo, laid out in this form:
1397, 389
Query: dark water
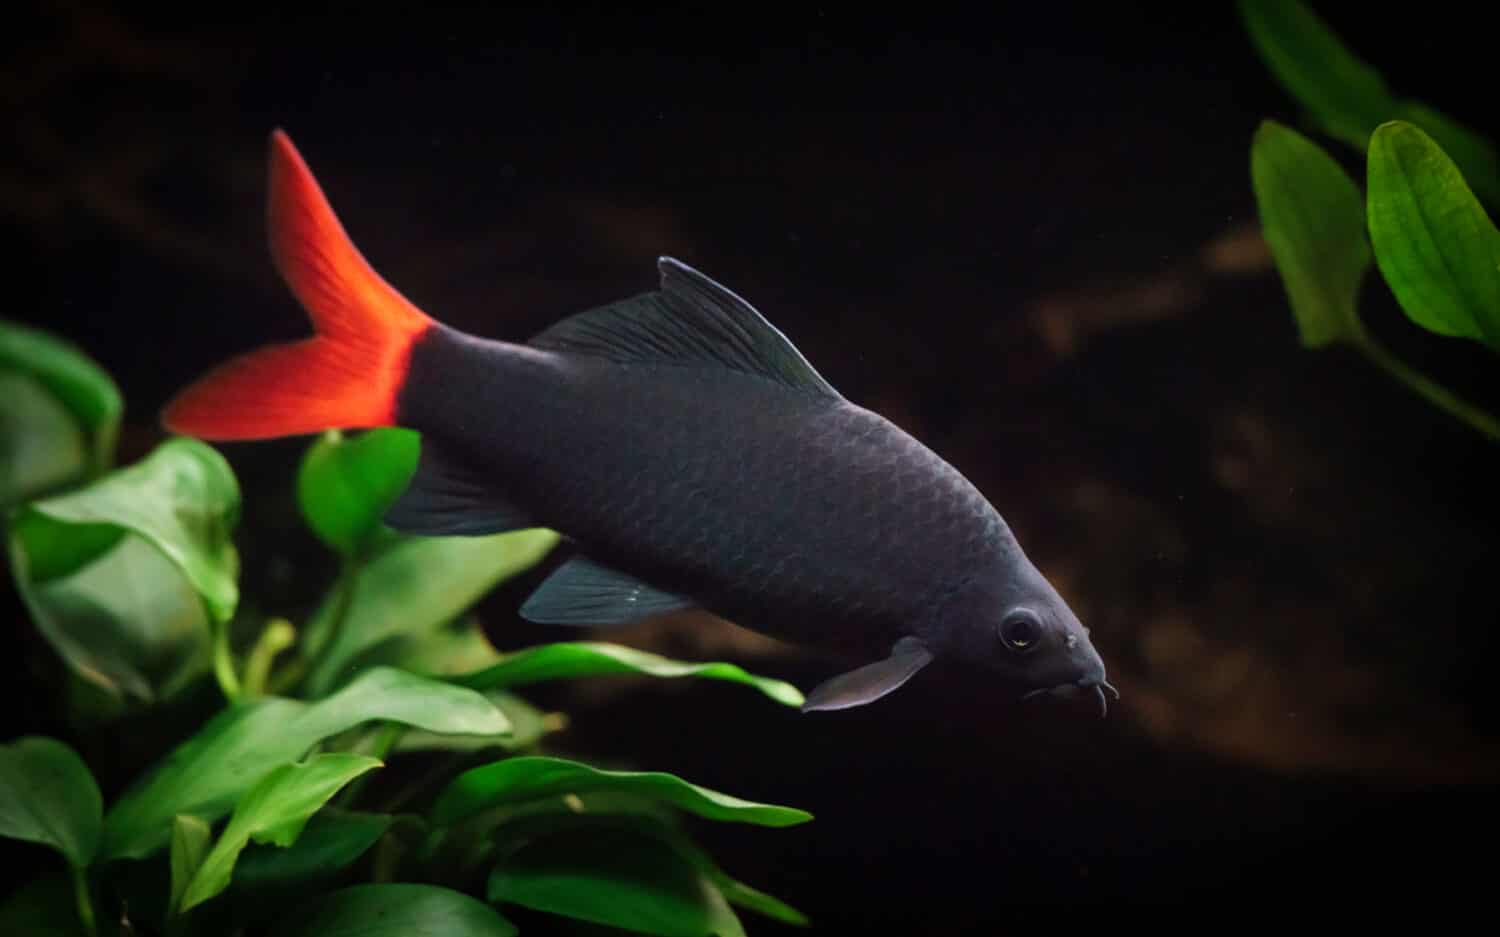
1027, 237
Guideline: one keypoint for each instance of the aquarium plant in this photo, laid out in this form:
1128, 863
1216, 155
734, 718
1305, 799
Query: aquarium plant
1421, 219
261, 808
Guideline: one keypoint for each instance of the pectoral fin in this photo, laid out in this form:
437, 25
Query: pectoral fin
582, 592
871, 682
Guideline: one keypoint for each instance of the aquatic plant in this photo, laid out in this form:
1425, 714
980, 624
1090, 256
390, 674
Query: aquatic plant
261, 817
1419, 219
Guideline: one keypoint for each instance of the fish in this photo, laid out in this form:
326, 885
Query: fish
687, 452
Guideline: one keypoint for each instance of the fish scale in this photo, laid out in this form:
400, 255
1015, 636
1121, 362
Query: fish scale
802, 516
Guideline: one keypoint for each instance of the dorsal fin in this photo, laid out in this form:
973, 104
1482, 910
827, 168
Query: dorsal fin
690, 320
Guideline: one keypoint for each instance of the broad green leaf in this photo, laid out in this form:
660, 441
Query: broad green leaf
455, 647
208, 773
513, 780
1342, 93
1475, 156
332, 840
41, 444
527, 727
585, 659
412, 589
45, 906
121, 576
346, 483
397, 910
48, 796
129, 622
1348, 98
182, 498
1435, 245
590, 812
1312, 217
73, 379
190, 842
274, 811
754, 899
614, 877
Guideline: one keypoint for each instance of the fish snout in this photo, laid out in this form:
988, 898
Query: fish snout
1068, 691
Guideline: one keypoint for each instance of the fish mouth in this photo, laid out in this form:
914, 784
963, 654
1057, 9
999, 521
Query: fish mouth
1071, 690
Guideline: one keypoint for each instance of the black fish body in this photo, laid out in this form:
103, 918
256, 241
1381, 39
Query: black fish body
683, 445
795, 514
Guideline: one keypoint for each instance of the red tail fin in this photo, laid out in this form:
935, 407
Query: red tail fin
347, 375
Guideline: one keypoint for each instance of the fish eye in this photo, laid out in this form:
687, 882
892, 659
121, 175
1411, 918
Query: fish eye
1021, 631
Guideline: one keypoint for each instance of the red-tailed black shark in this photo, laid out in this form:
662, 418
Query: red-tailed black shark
684, 446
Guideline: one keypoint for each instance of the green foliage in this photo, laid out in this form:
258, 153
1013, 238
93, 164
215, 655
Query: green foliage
1436, 247
332, 840
403, 910
209, 773
614, 877
62, 414
1347, 98
345, 485
533, 778
129, 576
47, 795
191, 838
1312, 215
1434, 244
586, 659
274, 811
407, 593
132, 576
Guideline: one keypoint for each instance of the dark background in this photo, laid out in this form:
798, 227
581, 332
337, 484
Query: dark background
1027, 235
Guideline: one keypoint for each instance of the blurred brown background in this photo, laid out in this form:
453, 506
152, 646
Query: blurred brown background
1028, 237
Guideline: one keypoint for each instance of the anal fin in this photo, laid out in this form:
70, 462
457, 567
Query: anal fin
585, 593
448, 497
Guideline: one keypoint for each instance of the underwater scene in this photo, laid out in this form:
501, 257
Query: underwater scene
730, 471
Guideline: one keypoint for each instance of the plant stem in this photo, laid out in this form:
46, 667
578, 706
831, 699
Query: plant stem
229, 681
1423, 385
85, 903
343, 600
277, 637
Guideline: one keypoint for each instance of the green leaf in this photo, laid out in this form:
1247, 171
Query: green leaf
614, 877
1341, 92
1348, 98
346, 484
73, 379
590, 812
397, 910
585, 658
1312, 216
48, 796
411, 590
1435, 245
129, 622
41, 444
190, 841
182, 499
1475, 156
274, 811
758, 901
122, 576
528, 778
527, 727
332, 841
208, 773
